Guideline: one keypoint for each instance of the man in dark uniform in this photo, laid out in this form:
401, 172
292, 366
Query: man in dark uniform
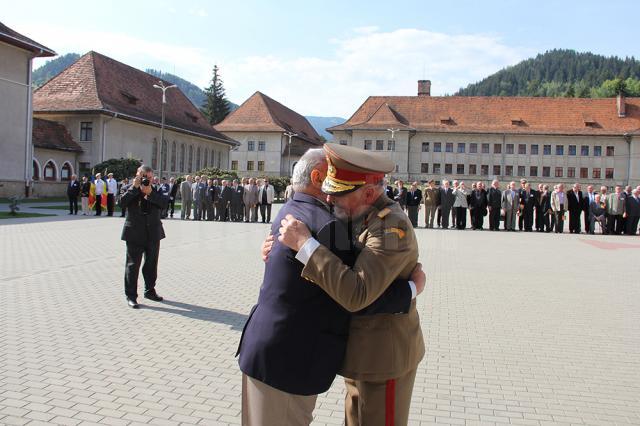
73, 190
142, 231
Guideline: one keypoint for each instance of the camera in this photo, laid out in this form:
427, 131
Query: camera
146, 181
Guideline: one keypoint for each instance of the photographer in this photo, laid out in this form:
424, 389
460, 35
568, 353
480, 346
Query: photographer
142, 231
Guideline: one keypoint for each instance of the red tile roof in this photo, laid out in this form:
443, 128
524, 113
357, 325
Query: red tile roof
458, 114
97, 83
14, 38
51, 135
260, 113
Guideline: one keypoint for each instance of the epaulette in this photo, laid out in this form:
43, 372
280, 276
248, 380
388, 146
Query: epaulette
384, 212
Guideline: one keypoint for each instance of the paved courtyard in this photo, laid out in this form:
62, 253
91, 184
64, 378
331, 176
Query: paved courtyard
520, 328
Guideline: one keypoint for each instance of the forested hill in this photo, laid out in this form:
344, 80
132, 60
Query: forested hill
558, 73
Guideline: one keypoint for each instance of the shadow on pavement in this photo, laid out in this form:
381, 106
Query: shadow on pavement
233, 319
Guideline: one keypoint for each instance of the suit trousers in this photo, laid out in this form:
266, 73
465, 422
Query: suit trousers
453, 217
587, 219
185, 211
254, 213
510, 219
111, 203
494, 218
247, 213
461, 217
539, 219
151, 251
592, 224
445, 217
196, 211
527, 213
477, 218
429, 215
172, 206
574, 221
614, 224
412, 212
265, 212
211, 211
520, 221
73, 205
202, 209
559, 221
632, 225
264, 405
379, 403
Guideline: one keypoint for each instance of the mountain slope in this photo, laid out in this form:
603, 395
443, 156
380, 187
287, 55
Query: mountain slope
52, 68
321, 124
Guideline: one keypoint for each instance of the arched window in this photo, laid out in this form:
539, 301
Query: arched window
206, 158
190, 158
165, 151
36, 170
66, 171
182, 158
173, 156
198, 159
50, 171
154, 154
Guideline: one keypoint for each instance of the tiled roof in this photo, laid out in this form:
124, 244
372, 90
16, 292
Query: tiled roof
51, 135
96, 83
14, 38
458, 114
260, 113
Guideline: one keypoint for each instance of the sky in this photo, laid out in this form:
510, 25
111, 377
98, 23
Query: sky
325, 58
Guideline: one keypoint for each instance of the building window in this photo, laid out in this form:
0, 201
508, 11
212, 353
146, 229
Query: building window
391, 145
234, 165
182, 158
610, 151
521, 171
206, 158
424, 168
198, 159
49, 171
449, 147
473, 169
546, 171
559, 149
584, 150
66, 172
533, 171
596, 173
174, 154
508, 170
485, 149
436, 168
35, 175
448, 169
425, 146
261, 146
473, 148
559, 172
437, 147
461, 148
86, 131
343, 142
584, 173
165, 152
367, 145
597, 151
497, 148
154, 154
546, 150
510, 148
571, 172
460, 169
522, 149
250, 166
84, 167
572, 150
496, 170
190, 158
379, 145
484, 170
251, 145
608, 173
261, 166
534, 149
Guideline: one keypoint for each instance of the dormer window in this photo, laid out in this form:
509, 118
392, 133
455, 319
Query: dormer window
517, 122
191, 117
588, 122
447, 120
129, 97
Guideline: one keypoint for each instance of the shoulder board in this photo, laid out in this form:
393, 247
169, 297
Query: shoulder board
384, 212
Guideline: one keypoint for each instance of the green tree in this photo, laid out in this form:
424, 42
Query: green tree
216, 106
215, 173
121, 168
571, 92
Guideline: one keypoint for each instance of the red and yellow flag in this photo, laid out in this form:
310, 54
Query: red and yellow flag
92, 196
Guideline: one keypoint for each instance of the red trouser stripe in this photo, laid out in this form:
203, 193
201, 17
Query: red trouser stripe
390, 403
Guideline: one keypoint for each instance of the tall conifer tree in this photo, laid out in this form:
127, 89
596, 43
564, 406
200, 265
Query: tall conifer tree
216, 106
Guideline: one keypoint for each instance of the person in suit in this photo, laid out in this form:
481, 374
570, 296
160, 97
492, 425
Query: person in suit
290, 352
237, 208
73, 190
250, 200
400, 195
632, 212
225, 201
597, 210
523, 183
558, 205
165, 189
494, 204
195, 197
185, 196
266, 194
220, 208
528, 199
202, 197
142, 232
431, 201
453, 210
413, 201
588, 198
575, 206
389, 189
121, 190
209, 209
447, 198
478, 206
616, 211
544, 203
85, 190
461, 204
173, 192
510, 205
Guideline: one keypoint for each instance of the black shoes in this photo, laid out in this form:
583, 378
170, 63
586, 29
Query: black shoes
133, 303
153, 296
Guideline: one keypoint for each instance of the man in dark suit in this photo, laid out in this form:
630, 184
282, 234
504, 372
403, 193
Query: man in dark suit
523, 183
528, 201
225, 200
632, 212
446, 202
142, 231
294, 341
478, 206
576, 206
237, 208
173, 193
588, 198
389, 190
413, 200
400, 195
73, 190
494, 203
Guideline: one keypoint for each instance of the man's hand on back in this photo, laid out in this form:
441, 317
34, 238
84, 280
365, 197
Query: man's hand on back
419, 278
267, 245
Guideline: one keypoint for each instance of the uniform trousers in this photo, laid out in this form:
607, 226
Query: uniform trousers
379, 403
111, 204
135, 252
263, 405
429, 215
98, 204
412, 212
185, 211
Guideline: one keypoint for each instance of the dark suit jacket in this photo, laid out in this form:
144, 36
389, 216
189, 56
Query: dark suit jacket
545, 201
529, 202
574, 205
174, 191
478, 200
389, 192
400, 196
85, 189
213, 194
73, 188
143, 223
632, 206
447, 198
226, 195
236, 196
494, 198
296, 336
415, 200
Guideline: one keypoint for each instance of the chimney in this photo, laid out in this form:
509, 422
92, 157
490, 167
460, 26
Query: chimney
621, 106
424, 87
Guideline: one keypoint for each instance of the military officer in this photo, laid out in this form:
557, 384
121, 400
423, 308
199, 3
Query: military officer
383, 351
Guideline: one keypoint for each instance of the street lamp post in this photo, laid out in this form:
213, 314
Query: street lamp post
290, 135
164, 89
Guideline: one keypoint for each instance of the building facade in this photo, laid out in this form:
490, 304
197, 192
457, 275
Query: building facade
261, 125
16, 55
544, 140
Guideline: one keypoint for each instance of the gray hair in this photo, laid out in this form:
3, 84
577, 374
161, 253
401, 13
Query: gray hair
312, 159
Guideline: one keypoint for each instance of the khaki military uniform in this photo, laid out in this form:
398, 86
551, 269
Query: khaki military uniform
431, 200
383, 351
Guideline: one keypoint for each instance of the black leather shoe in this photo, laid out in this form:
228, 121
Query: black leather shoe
133, 303
153, 296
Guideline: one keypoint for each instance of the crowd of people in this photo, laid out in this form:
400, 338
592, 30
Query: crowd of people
543, 209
